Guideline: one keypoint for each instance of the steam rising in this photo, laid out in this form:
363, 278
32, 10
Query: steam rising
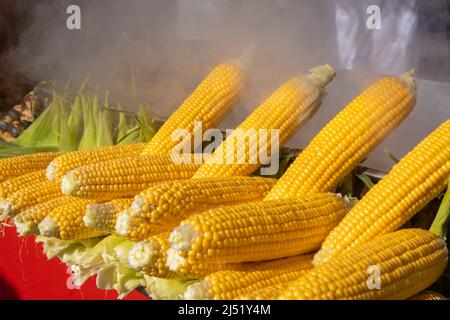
168, 46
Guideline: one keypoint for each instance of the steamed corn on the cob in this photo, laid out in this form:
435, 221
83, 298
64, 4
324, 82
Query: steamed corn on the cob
125, 177
344, 142
396, 265
208, 104
102, 216
419, 177
29, 196
286, 110
255, 231
163, 206
66, 221
15, 184
62, 164
231, 284
27, 221
19, 165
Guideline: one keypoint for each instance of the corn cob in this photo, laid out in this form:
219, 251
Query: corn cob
102, 216
208, 104
59, 166
268, 293
125, 177
66, 221
255, 231
347, 139
28, 197
17, 166
164, 206
14, 184
150, 256
230, 284
286, 110
396, 265
428, 295
27, 221
419, 177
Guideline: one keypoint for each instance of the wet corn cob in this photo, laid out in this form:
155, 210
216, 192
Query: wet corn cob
15, 184
102, 216
286, 110
66, 221
28, 197
230, 284
347, 139
164, 206
419, 177
125, 177
255, 231
268, 293
28, 220
62, 164
396, 265
17, 166
208, 104
150, 256
428, 295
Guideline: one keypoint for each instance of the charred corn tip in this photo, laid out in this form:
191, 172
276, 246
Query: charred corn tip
142, 255
408, 80
48, 228
6, 208
122, 223
182, 237
138, 204
69, 183
174, 260
51, 171
90, 217
322, 75
198, 291
24, 228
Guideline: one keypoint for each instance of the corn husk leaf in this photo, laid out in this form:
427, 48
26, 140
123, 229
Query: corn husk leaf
166, 289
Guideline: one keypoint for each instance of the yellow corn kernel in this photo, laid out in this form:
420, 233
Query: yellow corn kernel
59, 166
428, 295
396, 265
230, 284
27, 221
29, 196
125, 177
347, 139
286, 110
15, 184
150, 256
163, 206
66, 221
208, 104
102, 216
268, 293
418, 178
255, 231
19, 165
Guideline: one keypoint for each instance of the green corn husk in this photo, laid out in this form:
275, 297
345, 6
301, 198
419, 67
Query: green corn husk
142, 131
166, 289
146, 124
122, 127
89, 137
441, 222
104, 125
44, 131
74, 123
